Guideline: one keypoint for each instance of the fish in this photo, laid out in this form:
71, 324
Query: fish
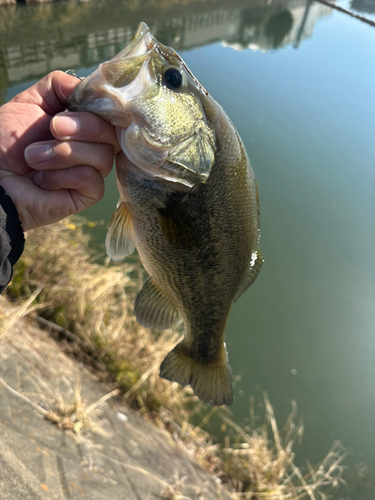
189, 204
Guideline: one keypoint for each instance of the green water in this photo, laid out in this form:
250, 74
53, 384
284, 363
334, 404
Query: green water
298, 81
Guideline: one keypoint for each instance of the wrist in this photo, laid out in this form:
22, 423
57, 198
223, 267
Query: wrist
12, 237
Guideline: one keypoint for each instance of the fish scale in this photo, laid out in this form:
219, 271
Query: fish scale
189, 204
171, 122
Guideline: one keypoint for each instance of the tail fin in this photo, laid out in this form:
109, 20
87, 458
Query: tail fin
211, 382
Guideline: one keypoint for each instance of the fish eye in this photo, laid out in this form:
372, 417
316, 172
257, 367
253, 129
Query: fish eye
173, 78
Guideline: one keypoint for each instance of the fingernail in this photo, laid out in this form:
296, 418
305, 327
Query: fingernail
65, 126
38, 153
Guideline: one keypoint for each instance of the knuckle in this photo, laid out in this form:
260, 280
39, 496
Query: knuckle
109, 153
101, 130
104, 161
92, 125
100, 191
102, 127
88, 174
93, 183
62, 150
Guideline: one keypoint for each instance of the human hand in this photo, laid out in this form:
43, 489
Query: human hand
53, 163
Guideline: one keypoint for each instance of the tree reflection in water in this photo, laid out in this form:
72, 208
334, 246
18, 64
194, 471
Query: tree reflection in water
278, 27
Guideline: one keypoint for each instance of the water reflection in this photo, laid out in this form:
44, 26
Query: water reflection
367, 6
307, 118
278, 27
285, 24
36, 39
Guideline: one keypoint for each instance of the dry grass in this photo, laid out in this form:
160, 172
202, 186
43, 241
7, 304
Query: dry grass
260, 464
73, 415
95, 303
172, 491
92, 305
76, 415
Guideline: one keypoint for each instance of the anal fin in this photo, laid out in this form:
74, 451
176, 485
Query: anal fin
153, 310
119, 243
210, 381
254, 269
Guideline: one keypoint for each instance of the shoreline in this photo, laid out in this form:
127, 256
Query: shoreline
89, 308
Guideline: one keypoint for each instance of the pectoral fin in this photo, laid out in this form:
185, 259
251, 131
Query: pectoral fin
119, 243
153, 310
255, 266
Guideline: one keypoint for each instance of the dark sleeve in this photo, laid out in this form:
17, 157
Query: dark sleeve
12, 240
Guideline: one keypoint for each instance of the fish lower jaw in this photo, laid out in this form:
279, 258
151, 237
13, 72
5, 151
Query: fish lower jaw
154, 174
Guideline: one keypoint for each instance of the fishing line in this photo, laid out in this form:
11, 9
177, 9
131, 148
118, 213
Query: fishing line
349, 12
73, 73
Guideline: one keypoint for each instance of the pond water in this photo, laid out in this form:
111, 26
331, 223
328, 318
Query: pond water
298, 81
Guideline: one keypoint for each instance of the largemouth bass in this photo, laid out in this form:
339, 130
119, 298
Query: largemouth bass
188, 203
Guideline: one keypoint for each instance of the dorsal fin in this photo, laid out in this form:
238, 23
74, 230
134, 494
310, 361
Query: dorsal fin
153, 310
119, 243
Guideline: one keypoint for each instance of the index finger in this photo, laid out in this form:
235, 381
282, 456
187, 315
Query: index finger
50, 93
84, 127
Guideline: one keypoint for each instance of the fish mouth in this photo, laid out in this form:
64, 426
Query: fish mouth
133, 73
120, 91
142, 42
119, 81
